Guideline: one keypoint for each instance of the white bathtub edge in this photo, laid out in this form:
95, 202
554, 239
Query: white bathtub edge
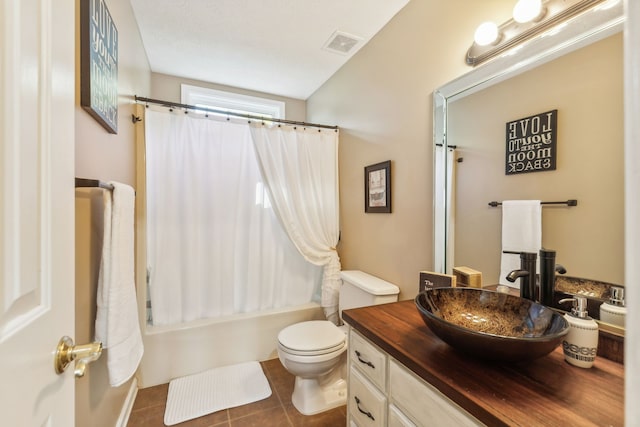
202, 345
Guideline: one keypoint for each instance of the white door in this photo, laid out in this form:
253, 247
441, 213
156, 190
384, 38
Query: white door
37, 89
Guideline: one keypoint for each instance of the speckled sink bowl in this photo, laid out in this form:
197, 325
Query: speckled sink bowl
491, 325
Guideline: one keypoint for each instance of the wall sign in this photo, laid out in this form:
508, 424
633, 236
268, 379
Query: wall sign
531, 144
99, 63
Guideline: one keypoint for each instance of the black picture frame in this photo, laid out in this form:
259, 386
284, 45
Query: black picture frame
99, 64
377, 188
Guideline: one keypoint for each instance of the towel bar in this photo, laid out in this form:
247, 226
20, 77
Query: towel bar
570, 202
84, 182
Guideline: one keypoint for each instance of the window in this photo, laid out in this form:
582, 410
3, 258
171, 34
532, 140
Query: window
232, 102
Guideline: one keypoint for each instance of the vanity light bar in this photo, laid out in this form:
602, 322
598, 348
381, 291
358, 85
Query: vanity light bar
512, 33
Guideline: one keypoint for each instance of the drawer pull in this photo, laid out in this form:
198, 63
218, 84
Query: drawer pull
364, 361
367, 413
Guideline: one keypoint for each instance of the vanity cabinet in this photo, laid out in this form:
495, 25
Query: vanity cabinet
383, 392
367, 398
422, 402
422, 381
367, 404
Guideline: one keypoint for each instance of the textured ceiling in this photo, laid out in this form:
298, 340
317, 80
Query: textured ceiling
272, 46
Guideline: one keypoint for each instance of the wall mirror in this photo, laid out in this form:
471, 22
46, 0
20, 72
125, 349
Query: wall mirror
565, 70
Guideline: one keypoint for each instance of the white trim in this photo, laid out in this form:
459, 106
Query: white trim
632, 209
195, 95
127, 406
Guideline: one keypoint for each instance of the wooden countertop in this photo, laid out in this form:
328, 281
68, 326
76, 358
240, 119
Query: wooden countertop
544, 392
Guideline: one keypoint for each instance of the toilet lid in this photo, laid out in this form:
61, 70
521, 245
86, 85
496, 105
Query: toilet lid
312, 337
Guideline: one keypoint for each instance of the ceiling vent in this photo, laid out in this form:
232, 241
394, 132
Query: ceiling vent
342, 43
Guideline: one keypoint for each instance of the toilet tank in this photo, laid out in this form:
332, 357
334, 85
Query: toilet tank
360, 289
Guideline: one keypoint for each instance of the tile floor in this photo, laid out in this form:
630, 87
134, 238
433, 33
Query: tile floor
277, 410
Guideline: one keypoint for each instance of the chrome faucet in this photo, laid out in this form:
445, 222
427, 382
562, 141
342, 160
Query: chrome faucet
526, 274
548, 270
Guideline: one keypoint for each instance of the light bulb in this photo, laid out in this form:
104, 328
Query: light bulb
486, 34
527, 10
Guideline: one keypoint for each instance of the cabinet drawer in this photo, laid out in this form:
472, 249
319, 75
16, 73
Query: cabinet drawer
366, 404
368, 358
397, 418
423, 403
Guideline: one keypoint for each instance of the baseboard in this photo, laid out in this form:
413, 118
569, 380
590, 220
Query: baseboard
123, 419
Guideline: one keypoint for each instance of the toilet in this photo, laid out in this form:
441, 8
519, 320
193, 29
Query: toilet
315, 351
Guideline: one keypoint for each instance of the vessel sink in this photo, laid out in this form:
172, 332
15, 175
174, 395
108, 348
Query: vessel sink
491, 325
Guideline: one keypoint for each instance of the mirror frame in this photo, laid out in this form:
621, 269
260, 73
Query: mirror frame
589, 27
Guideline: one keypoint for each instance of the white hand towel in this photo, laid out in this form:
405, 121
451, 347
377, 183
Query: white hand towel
521, 232
117, 314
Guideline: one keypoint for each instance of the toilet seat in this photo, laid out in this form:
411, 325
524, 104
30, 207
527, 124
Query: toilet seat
312, 338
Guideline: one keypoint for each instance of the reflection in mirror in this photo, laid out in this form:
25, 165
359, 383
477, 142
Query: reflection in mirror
588, 238
583, 81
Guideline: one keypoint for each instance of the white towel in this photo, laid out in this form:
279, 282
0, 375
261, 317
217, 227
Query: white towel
521, 232
117, 315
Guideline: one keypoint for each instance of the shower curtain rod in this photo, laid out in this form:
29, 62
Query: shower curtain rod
226, 113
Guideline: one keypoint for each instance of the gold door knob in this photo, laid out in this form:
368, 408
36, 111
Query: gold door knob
67, 352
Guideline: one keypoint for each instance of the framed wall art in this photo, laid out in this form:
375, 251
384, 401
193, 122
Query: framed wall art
377, 188
99, 63
531, 144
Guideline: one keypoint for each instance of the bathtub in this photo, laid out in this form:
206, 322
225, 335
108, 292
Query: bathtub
176, 351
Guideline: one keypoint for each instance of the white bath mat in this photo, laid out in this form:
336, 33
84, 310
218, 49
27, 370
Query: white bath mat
210, 391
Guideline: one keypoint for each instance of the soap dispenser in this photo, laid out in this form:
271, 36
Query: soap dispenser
580, 345
614, 310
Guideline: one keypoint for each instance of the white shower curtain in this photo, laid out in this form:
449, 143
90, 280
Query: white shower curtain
214, 244
300, 168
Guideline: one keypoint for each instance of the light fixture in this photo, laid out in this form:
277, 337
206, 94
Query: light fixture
528, 11
530, 18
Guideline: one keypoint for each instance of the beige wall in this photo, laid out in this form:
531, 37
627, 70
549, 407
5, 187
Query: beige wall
167, 88
586, 89
108, 157
381, 99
